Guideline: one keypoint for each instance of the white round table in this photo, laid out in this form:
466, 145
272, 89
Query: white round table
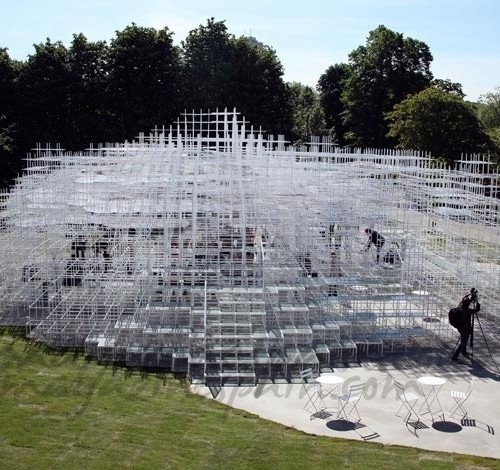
430, 386
329, 386
329, 379
432, 381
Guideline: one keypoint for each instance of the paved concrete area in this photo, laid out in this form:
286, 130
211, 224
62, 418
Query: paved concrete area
476, 434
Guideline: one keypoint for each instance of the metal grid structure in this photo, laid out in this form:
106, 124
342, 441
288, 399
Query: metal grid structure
212, 249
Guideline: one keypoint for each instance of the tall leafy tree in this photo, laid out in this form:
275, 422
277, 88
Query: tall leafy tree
144, 79
440, 122
44, 96
89, 104
382, 73
255, 85
330, 86
489, 109
222, 71
448, 86
7, 77
308, 118
207, 65
489, 115
9, 165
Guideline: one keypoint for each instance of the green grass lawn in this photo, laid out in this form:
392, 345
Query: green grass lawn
58, 410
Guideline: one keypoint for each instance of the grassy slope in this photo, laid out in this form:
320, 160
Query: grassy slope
61, 411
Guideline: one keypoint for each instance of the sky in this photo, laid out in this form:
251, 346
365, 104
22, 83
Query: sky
308, 35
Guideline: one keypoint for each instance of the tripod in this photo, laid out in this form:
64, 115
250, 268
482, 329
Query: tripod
475, 318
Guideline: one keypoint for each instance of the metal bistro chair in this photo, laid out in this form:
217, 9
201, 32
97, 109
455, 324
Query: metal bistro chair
311, 390
408, 401
351, 400
460, 397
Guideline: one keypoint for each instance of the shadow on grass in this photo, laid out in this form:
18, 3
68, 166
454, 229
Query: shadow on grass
75, 353
144, 373
19, 334
16, 333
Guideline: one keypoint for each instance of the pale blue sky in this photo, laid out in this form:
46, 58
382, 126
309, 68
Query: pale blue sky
308, 35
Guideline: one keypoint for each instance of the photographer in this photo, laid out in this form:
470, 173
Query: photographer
374, 238
461, 318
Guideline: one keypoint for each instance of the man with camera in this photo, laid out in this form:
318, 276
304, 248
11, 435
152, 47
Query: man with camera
462, 319
374, 238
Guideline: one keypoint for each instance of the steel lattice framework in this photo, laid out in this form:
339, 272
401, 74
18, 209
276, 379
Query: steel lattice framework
210, 248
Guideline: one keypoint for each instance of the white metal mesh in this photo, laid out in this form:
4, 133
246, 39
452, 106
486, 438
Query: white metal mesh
212, 249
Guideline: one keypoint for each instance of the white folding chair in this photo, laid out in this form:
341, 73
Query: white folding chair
310, 388
348, 403
408, 401
460, 397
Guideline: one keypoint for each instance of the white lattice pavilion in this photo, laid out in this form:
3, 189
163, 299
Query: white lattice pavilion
213, 249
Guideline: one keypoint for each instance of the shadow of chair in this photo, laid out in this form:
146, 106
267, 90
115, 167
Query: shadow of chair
348, 403
460, 397
408, 402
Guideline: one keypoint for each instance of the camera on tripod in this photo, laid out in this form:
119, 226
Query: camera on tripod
473, 295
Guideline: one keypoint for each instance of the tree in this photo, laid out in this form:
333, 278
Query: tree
439, 122
222, 71
381, 74
43, 111
448, 86
9, 165
489, 109
330, 86
308, 118
206, 56
255, 86
489, 115
144, 80
89, 105
8, 75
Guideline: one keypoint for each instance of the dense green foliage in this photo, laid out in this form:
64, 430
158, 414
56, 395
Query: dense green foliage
330, 86
382, 73
143, 80
95, 92
489, 111
9, 156
386, 96
90, 119
439, 122
222, 71
308, 118
61, 411
357, 95
92, 92
489, 115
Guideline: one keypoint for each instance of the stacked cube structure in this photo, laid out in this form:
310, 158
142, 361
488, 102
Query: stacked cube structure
213, 249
